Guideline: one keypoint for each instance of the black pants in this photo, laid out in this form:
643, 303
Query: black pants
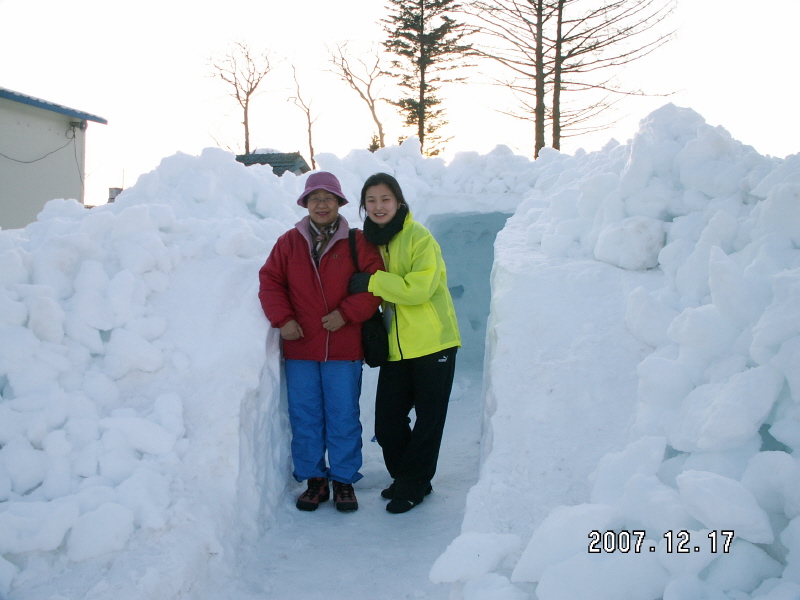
423, 384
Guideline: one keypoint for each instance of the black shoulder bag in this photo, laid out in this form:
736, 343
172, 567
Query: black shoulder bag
374, 338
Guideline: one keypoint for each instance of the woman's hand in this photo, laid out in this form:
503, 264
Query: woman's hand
333, 321
359, 282
292, 331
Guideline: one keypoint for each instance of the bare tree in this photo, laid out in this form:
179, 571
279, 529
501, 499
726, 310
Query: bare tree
518, 29
242, 69
591, 46
557, 48
306, 108
362, 75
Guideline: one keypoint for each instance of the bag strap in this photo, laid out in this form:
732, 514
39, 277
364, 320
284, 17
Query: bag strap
353, 252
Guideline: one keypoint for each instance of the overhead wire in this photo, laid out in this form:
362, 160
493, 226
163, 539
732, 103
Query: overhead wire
71, 136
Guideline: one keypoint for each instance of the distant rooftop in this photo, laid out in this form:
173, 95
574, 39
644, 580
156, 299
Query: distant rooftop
279, 161
51, 106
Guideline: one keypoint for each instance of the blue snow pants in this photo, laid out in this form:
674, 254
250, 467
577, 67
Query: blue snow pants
325, 416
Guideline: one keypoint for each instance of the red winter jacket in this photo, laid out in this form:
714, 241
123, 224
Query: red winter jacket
292, 287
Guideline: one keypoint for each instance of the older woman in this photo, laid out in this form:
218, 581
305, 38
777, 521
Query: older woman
304, 293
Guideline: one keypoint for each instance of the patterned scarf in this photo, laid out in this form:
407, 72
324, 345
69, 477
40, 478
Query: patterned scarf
321, 237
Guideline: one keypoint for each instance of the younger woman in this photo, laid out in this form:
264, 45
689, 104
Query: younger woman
423, 338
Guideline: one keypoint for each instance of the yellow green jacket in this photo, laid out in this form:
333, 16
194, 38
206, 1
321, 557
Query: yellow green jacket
414, 285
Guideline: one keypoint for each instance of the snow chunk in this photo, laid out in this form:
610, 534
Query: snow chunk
722, 416
492, 586
143, 435
473, 554
127, 351
35, 526
722, 503
642, 457
743, 568
562, 534
632, 244
604, 576
100, 531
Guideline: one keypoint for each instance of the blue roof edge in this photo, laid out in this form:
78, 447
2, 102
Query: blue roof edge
51, 106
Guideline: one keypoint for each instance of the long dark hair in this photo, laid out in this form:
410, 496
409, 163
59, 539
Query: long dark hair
377, 179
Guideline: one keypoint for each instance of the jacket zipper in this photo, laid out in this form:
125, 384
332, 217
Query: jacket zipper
324, 299
394, 310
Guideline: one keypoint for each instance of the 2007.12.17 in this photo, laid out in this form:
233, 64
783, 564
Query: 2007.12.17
624, 541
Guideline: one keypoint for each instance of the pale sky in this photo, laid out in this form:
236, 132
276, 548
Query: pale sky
143, 67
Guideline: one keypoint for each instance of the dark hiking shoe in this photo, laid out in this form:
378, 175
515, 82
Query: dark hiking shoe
344, 498
318, 491
401, 505
388, 493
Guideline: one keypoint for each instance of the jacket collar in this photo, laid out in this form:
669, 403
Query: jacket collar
304, 227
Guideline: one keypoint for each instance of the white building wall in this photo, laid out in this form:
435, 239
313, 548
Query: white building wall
29, 175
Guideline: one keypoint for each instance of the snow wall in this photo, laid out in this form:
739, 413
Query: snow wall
143, 432
690, 241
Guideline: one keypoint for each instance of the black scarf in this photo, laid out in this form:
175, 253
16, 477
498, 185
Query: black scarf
380, 236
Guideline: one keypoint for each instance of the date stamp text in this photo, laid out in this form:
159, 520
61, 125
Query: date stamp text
637, 541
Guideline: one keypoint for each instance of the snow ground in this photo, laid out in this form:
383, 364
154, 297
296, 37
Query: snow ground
370, 553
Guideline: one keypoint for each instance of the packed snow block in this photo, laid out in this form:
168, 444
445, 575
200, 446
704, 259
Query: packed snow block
35, 526
780, 322
777, 589
786, 427
7, 573
708, 162
142, 434
101, 531
728, 463
604, 576
127, 297
12, 311
774, 480
692, 588
5, 483
127, 351
787, 360
147, 494
12, 267
790, 538
563, 533
722, 503
739, 299
663, 382
647, 318
46, 319
473, 554
239, 240
743, 568
649, 505
492, 586
642, 457
25, 465
704, 328
690, 564
779, 213
633, 244
725, 415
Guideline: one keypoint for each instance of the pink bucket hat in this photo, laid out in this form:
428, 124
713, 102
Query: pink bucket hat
322, 181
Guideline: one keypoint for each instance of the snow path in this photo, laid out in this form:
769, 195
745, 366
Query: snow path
315, 555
